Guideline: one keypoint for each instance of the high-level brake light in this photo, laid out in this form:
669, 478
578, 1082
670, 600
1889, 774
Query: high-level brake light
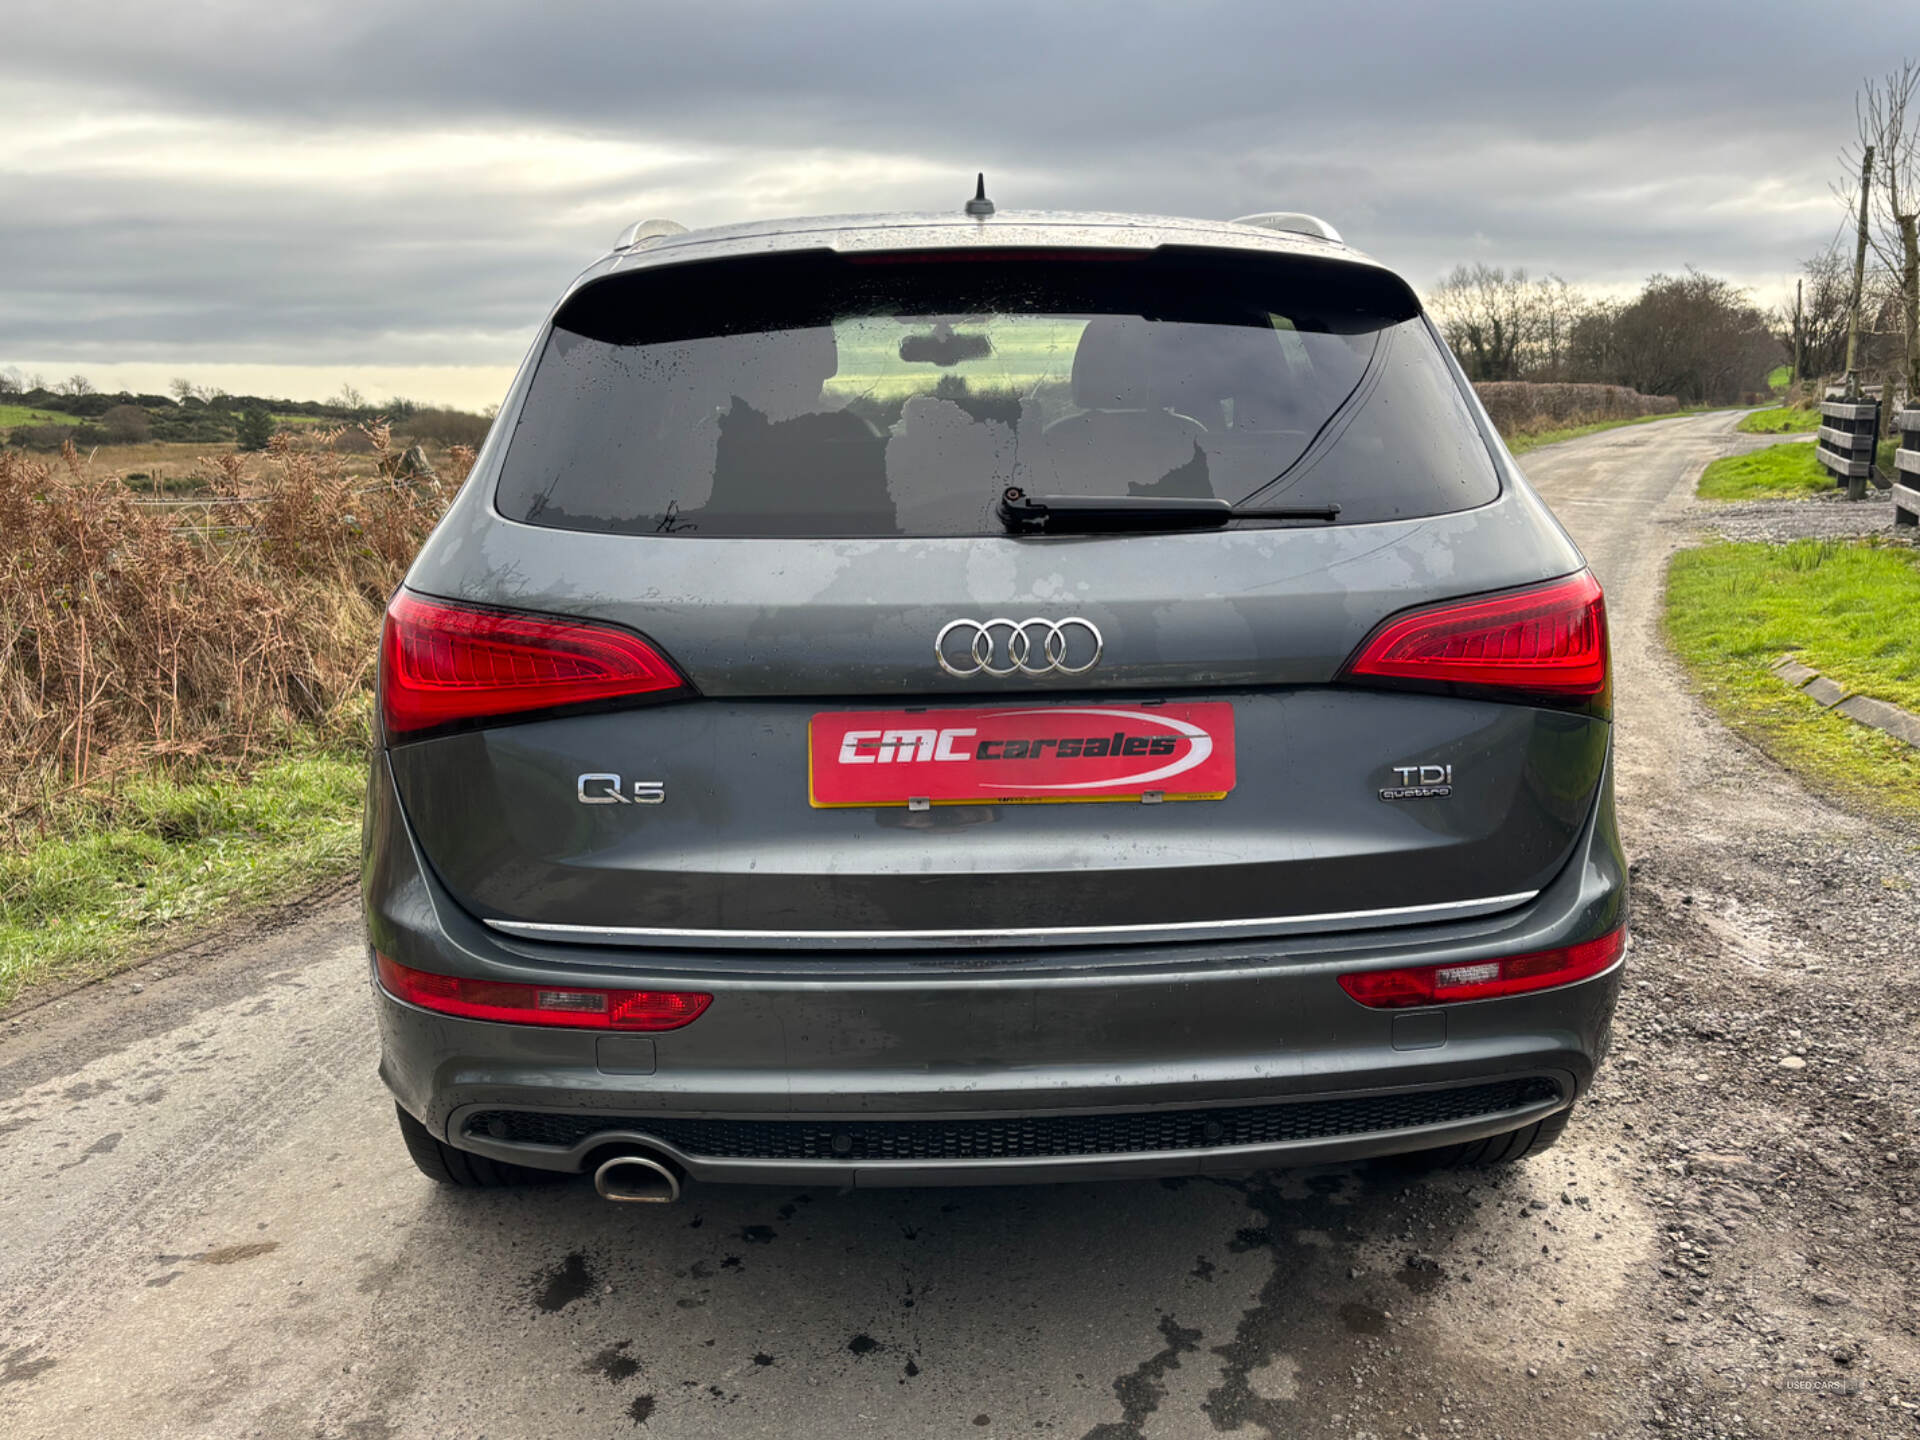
1485, 979
1547, 642
445, 665
581, 1009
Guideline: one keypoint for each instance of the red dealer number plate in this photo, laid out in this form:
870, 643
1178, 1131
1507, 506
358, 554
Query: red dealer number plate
1027, 754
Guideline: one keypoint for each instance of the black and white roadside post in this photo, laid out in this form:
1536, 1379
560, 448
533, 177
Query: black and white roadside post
1906, 465
1849, 432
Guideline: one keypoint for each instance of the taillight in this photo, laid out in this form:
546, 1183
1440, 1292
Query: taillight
1547, 642
581, 1009
445, 665
1485, 979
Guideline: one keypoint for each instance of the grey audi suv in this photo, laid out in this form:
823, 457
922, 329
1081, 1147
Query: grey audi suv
980, 697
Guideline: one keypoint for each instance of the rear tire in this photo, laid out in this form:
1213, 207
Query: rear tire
1505, 1149
464, 1171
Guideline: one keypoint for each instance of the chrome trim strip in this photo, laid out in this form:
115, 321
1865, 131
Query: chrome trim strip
660, 935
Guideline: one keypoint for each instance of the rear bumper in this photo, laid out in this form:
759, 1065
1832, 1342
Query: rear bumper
1019, 1147
875, 1069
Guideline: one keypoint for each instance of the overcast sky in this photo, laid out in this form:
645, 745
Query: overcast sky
284, 197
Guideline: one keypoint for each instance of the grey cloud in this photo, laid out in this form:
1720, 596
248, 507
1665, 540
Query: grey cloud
1067, 77
1510, 132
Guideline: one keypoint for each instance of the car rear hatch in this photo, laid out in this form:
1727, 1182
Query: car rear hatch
838, 704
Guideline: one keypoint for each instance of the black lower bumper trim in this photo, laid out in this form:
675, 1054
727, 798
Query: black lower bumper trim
1028, 1136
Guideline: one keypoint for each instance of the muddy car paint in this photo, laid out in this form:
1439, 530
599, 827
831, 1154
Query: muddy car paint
735, 884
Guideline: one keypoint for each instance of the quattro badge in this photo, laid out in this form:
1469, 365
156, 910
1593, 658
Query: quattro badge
1420, 782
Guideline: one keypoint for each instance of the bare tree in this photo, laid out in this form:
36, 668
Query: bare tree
1557, 310
1888, 115
1693, 335
350, 398
74, 385
1488, 317
183, 389
1827, 279
1504, 326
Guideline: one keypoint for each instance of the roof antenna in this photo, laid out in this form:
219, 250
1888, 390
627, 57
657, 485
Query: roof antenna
980, 205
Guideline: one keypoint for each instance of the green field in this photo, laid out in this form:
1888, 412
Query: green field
119, 871
1851, 610
12, 415
1778, 472
1780, 420
1779, 377
1027, 351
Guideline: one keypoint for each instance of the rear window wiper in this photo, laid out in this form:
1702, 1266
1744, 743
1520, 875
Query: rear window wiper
1025, 514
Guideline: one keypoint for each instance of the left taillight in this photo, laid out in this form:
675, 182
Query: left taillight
448, 666
565, 1005
1412, 985
1546, 643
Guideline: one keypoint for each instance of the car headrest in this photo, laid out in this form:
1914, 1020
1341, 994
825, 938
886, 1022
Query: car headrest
781, 371
1199, 366
1112, 366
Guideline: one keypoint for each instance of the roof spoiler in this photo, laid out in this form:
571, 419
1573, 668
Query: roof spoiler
1294, 222
642, 232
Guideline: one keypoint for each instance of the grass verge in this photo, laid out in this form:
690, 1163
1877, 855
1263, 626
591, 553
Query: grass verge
1778, 472
12, 415
1851, 610
1521, 444
1780, 420
119, 874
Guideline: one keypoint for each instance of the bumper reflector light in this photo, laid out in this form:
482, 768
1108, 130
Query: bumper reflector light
540, 1004
1485, 979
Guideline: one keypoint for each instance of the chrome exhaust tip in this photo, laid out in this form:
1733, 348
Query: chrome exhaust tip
636, 1180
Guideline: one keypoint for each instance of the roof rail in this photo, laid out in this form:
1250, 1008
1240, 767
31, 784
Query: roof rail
643, 231
1294, 222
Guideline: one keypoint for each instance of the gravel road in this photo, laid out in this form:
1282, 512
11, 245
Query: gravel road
210, 1228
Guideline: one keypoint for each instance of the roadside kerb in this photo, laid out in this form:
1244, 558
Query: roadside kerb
1862, 709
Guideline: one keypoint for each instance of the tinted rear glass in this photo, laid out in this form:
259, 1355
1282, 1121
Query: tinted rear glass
814, 395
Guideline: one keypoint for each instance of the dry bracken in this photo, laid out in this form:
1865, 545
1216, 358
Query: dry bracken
132, 633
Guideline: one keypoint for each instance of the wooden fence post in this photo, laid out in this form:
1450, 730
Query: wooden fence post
1849, 431
1859, 278
1906, 465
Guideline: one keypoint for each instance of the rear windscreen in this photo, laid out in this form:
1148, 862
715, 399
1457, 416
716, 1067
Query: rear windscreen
816, 395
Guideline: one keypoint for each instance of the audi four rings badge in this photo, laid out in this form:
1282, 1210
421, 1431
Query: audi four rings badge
1003, 647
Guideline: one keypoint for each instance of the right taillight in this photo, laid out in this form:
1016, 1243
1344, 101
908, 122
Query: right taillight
1547, 642
447, 666
1415, 985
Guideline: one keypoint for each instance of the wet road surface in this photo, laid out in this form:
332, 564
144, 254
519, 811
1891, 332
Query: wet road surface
208, 1225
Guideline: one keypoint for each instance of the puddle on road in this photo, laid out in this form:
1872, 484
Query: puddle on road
558, 1286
